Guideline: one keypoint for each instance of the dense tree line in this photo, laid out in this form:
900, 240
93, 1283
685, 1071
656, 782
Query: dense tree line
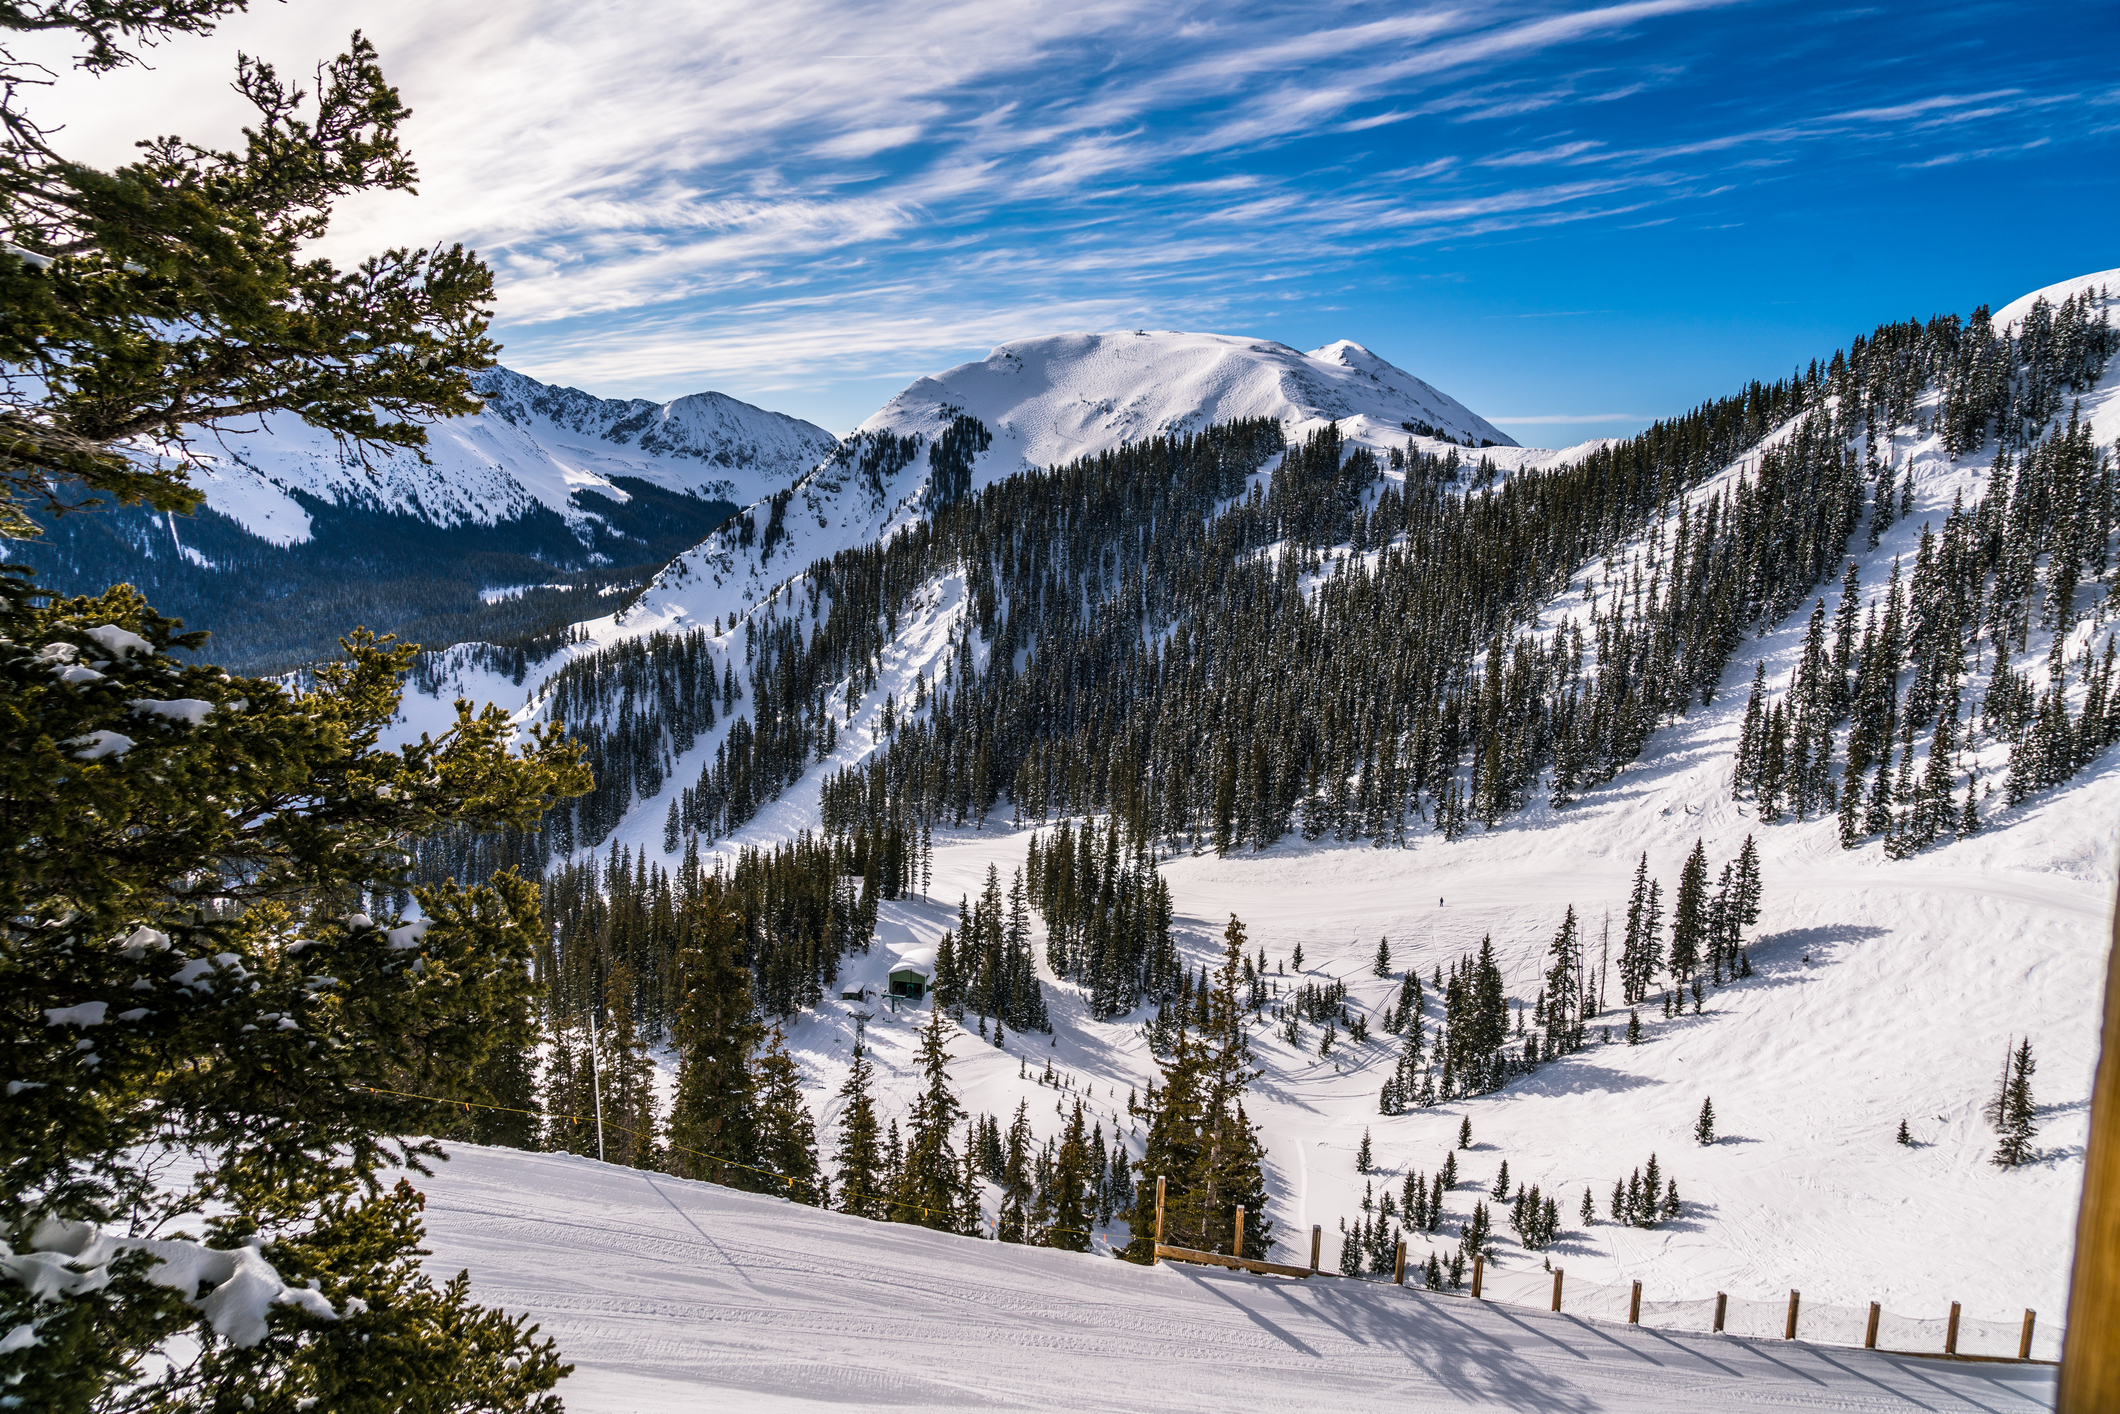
984, 964
1846, 737
1107, 913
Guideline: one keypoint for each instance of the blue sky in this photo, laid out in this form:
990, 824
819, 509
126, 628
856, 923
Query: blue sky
1572, 218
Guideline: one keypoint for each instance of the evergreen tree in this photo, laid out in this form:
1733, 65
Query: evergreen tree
1689, 914
1904, 1136
184, 292
2018, 1113
787, 1136
1382, 966
628, 1079
235, 834
184, 903
1362, 1156
1017, 1190
1199, 1138
1064, 1216
928, 1192
1704, 1127
715, 1114
858, 1159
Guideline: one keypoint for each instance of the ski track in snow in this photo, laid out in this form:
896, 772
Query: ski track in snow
666, 1293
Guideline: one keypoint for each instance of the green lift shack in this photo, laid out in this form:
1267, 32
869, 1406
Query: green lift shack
910, 981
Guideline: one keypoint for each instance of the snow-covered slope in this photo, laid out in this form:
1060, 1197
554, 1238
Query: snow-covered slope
535, 445
1049, 401
1885, 991
676, 1296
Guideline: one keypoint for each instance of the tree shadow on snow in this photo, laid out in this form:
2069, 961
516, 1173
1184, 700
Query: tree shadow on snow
1778, 958
1574, 1075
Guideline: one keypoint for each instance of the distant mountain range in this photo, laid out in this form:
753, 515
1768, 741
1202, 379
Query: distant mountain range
516, 521
534, 513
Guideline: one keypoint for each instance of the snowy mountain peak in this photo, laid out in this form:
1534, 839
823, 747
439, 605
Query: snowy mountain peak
1045, 402
1052, 399
713, 429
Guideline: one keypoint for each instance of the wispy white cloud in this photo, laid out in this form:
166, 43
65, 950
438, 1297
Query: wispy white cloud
832, 187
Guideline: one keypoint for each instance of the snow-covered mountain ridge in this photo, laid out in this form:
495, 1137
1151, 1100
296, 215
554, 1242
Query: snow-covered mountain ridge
300, 539
534, 445
1049, 401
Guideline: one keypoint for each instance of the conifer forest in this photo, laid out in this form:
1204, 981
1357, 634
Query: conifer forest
985, 824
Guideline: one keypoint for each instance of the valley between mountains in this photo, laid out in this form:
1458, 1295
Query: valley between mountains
1915, 556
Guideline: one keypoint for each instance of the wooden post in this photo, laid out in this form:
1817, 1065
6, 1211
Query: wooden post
2090, 1362
1722, 1308
1869, 1335
2024, 1341
1950, 1332
1317, 1237
1634, 1306
1479, 1270
1557, 1275
1398, 1265
1237, 1249
1159, 1211
1790, 1332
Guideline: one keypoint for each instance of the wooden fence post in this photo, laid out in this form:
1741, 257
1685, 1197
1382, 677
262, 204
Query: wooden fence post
1634, 1306
2024, 1341
1159, 1211
2090, 1362
1790, 1332
1317, 1237
1722, 1308
1398, 1265
1869, 1336
1479, 1270
1950, 1332
1558, 1273
1237, 1250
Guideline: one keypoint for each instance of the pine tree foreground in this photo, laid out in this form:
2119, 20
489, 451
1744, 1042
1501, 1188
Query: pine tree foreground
185, 899
205, 873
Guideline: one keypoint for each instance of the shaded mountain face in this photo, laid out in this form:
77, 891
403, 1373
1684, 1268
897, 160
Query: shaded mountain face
519, 520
